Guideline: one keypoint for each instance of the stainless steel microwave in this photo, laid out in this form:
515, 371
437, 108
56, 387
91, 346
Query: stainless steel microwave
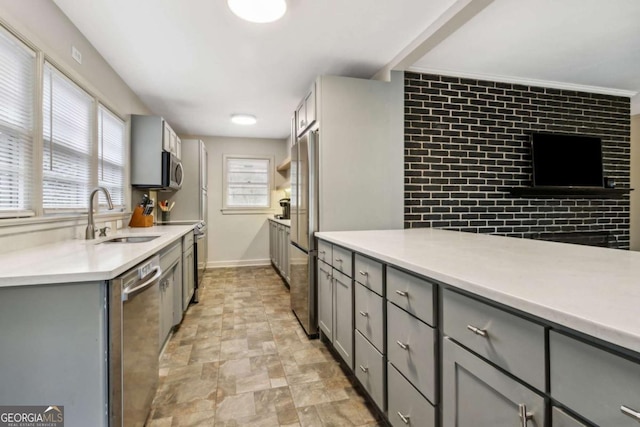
172, 172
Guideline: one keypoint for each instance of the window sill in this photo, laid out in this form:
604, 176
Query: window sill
9, 226
250, 211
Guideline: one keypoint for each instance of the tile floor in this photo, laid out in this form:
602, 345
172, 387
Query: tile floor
240, 358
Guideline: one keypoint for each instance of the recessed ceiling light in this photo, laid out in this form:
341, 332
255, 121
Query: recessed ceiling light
243, 119
259, 11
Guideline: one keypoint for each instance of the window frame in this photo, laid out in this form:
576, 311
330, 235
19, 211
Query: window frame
235, 210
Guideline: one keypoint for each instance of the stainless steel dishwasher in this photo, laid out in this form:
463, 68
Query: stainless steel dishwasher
134, 336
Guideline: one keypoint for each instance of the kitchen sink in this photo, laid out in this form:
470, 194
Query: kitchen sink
130, 239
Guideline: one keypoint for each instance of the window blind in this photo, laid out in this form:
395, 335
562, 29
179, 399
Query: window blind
17, 77
67, 148
111, 156
247, 183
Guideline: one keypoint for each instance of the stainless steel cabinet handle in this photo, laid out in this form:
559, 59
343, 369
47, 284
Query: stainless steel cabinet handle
524, 415
402, 294
338, 259
363, 369
322, 252
477, 331
405, 418
403, 345
364, 273
364, 314
630, 412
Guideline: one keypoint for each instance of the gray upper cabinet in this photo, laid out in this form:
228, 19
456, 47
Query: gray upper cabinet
306, 111
601, 386
475, 394
150, 137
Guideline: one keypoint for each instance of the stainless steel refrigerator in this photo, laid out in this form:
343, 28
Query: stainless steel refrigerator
347, 173
191, 200
304, 222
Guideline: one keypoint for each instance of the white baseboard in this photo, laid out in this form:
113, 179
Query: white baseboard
238, 263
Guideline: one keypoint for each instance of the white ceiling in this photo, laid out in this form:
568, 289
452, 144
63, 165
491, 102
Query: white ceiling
195, 63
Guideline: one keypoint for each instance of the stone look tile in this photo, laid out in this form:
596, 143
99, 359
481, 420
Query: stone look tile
240, 358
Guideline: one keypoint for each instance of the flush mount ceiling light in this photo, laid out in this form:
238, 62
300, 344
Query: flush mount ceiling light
243, 119
259, 11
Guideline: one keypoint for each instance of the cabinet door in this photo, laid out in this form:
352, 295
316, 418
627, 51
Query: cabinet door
178, 147
301, 119
187, 278
559, 418
166, 308
272, 242
310, 105
166, 137
283, 249
287, 239
177, 293
325, 299
277, 248
475, 394
343, 315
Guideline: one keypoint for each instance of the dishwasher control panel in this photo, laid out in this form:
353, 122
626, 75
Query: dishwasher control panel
144, 270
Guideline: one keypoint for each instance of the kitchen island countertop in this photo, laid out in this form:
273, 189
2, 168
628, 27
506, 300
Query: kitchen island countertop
591, 290
84, 260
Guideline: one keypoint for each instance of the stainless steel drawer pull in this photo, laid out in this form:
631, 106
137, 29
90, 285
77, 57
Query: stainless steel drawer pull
403, 345
524, 415
364, 273
322, 252
363, 369
402, 293
630, 413
405, 418
364, 314
477, 331
338, 259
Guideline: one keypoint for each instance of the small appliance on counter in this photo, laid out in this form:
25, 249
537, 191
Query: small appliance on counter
286, 209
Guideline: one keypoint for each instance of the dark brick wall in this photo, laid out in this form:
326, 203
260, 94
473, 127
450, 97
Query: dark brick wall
467, 142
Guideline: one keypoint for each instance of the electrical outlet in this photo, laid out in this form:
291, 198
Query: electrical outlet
75, 54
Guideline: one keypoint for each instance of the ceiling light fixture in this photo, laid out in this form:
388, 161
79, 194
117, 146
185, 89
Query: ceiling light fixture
243, 119
260, 11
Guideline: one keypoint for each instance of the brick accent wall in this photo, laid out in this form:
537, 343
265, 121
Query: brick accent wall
467, 142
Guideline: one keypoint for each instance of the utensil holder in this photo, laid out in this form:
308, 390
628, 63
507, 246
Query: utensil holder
140, 220
165, 215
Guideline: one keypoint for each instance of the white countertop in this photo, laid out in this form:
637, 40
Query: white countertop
286, 222
84, 260
592, 290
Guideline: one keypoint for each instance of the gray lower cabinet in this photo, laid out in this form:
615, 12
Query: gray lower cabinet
343, 316
273, 243
600, 386
325, 299
279, 238
369, 369
170, 260
476, 394
188, 278
560, 418
406, 405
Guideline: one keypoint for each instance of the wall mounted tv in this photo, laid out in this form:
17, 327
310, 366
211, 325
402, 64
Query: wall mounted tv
566, 160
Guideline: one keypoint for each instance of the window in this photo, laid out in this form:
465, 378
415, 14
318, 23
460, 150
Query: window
247, 183
17, 77
111, 156
67, 143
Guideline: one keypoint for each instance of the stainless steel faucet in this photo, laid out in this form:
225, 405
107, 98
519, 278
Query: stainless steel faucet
90, 233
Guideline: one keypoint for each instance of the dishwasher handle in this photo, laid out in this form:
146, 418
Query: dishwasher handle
131, 289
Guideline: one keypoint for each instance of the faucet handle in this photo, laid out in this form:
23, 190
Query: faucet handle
103, 231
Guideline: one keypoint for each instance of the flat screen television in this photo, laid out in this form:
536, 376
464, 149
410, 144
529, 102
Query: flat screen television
566, 160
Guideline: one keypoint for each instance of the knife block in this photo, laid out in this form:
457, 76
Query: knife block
139, 220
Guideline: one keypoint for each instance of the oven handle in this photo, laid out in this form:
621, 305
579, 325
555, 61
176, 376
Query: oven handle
128, 291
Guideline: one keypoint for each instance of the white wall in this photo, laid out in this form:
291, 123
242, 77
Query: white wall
635, 183
236, 240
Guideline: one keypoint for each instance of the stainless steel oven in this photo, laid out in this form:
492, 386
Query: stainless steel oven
134, 336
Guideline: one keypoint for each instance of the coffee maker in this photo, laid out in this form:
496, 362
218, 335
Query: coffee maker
286, 208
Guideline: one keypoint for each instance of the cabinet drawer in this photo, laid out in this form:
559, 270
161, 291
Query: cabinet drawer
325, 252
511, 342
369, 368
370, 316
411, 293
405, 402
187, 240
562, 419
594, 383
369, 273
411, 349
342, 260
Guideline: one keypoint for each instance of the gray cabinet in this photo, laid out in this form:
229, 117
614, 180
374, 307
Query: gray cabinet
475, 394
279, 239
150, 137
406, 405
369, 369
560, 418
325, 299
343, 315
170, 260
601, 386
188, 273
306, 111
